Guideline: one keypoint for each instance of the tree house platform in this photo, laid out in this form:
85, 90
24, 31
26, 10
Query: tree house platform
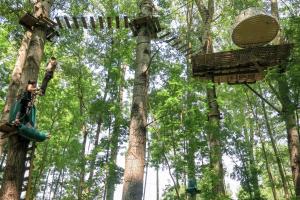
239, 66
152, 23
29, 22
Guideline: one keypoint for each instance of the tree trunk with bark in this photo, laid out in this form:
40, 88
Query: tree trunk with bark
15, 82
214, 142
135, 157
252, 165
15, 167
277, 156
288, 114
114, 142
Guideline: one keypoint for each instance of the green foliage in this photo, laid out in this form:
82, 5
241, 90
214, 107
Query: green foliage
85, 92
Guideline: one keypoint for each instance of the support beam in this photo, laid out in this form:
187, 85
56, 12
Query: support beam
262, 98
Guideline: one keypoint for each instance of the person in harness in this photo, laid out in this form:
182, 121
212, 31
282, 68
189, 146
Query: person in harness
51, 66
26, 101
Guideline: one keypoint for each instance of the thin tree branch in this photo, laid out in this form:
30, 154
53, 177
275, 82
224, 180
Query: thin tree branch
262, 98
274, 90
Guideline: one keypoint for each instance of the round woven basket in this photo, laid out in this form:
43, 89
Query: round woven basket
254, 27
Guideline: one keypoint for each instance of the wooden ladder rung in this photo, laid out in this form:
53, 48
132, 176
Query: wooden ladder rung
117, 22
75, 22
164, 35
176, 43
84, 22
126, 24
26, 179
171, 39
186, 50
67, 22
182, 47
58, 22
93, 22
101, 22
109, 22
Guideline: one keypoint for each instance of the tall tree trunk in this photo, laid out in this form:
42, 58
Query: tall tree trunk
46, 183
135, 157
157, 182
97, 136
93, 161
214, 142
82, 164
191, 165
191, 147
271, 179
15, 82
114, 143
277, 156
288, 114
147, 167
252, 165
15, 167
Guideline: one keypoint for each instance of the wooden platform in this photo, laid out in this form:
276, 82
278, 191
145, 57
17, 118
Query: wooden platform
29, 22
239, 66
152, 23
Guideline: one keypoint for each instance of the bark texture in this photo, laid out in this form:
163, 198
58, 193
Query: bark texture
114, 144
289, 117
135, 158
15, 167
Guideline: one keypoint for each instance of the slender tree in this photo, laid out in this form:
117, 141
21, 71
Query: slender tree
288, 114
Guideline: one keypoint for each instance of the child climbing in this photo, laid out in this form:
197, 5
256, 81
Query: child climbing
24, 120
26, 101
51, 66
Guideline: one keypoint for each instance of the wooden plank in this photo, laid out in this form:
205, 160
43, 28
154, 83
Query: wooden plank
28, 21
117, 22
182, 47
157, 24
84, 22
186, 50
93, 22
171, 39
58, 22
67, 22
164, 35
176, 43
48, 21
101, 22
126, 24
75, 22
109, 22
